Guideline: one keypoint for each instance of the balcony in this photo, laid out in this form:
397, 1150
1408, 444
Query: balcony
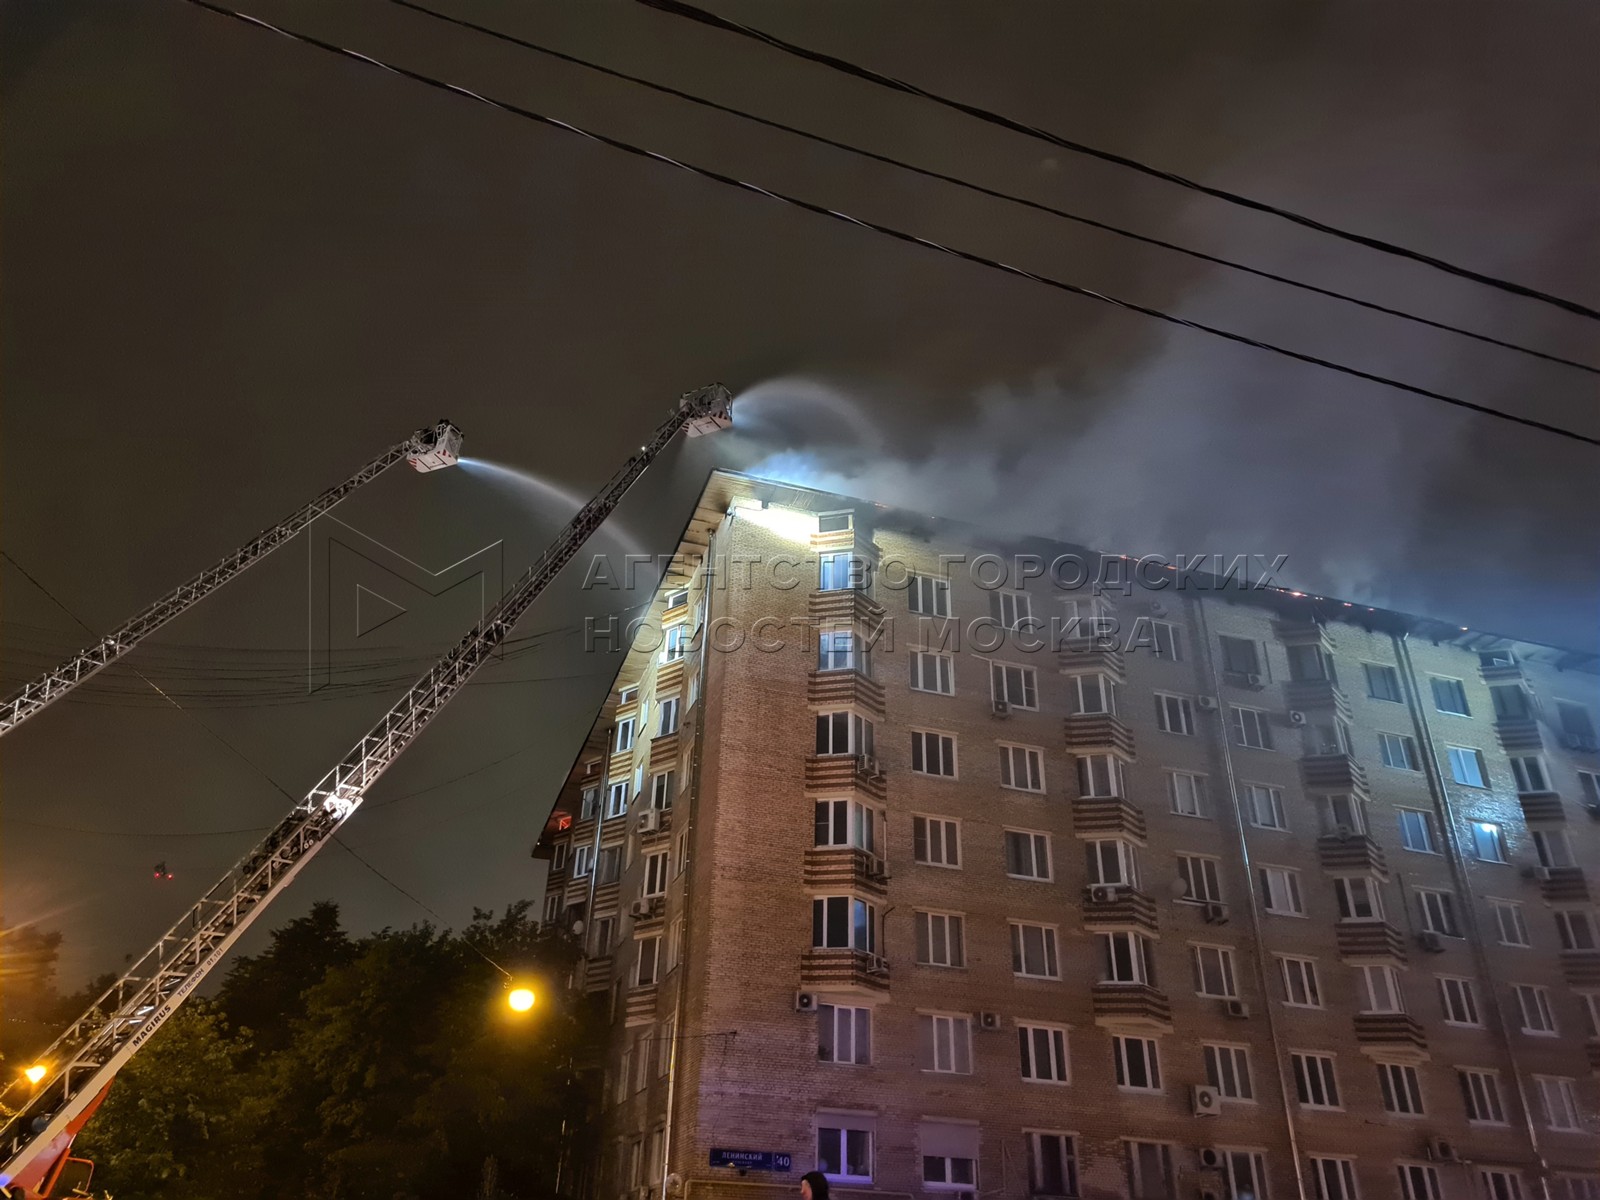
1351, 852
1382, 1034
1365, 941
1081, 655
1332, 773
1126, 908
669, 676
835, 970
1107, 815
640, 1006
597, 973
1542, 806
1315, 694
1519, 733
1098, 731
840, 689
1581, 967
1562, 884
835, 773
844, 606
1509, 672
651, 918
1132, 1006
664, 752
844, 867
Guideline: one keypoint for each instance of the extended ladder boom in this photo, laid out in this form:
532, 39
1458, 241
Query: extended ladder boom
84, 1059
426, 450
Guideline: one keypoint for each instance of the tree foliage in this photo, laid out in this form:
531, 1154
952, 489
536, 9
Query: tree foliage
382, 1068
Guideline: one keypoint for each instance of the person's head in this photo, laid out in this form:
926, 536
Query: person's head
813, 1186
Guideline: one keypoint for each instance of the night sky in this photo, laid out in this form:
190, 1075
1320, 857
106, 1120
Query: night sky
235, 268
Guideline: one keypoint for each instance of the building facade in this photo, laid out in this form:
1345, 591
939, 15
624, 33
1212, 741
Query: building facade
894, 855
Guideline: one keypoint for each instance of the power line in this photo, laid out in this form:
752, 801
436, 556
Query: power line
678, 8
980, 189
887, 230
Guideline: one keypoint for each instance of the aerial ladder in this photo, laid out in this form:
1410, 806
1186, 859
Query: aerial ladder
428, 449
42, 1115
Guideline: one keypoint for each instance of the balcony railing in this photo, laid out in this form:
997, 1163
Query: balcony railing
1581, 967
1519, 733
844, 772
640, 1006
1098, 731
1390, 1031
845, 867
1132, 1006
844, 688
1108, 815
834, 970
1102, 656
1351, 852
1332, 773
1542, 806
1370, 940
1118, 907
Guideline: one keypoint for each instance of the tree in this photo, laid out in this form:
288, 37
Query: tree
264, 993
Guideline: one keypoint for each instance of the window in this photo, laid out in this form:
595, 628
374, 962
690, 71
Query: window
617, 799
846, 823
1138, 1063
1027, 854
936, 842
1280, 891
1310, 663
1326, 737
674, 943
1043, 1049
590, 803
624, 736
839, 572
928, 596
1052, 1164
1111, 860
835, 522
932, 673
1575, 721
1459, 999
1418, 1182
582, 861
1017, 687
1378, 990
1532, 779
1314, 1082
1416, 831
1342, 815
1240, 656
1589, 786
837, 651
1402, 1090
1244, 1172
655, 874
1577, 1187
1335, 1178
1300, 988
933, 754
1511, 702
649, 961
1200, 882
1264, 806
941, 941
1508, 917
1165, 636
1537, 1017
1033, 951
1576, 929
1022, 768
844, 1151
608, 865
1093, 695
1174, 714
1501, 1185
661, 790
669, 716
1438, 911
1553, 848
1011, 609
1383, 683
948, 1168
1488, 842
675, 599
844, 733
554, 906
1358, 898
844, 1035
844, 923
1449, 696
1127, 957
1591, 1010
1150, 1173
1466, 766
558, 861
944, 1043
676, 641
1250, 728
1187, 793
1399, 751
1560, 1103
1480, 1093
1099, 775
1213, 972
1228, 1070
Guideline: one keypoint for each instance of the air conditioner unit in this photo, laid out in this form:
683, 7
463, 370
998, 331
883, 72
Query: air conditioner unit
650, 821
1430, 941
989, 1021
1206, 703
1581, 741
1296, 717
639, 909
876, 868
1441, 1150
805, 1002
1103, 893
1002, 709
867, 764
1214, 913
1210, 1158
1204, 1101
877, 964
1251, 679
1236, 1008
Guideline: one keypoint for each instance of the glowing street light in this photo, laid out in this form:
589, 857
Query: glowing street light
521, 999
34, 1073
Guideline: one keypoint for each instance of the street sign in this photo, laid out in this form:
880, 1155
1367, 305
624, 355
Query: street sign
752, 1160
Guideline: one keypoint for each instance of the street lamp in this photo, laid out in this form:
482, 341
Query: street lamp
34, 1073
520, 999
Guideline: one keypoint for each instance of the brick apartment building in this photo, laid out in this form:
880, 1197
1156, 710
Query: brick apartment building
884, 867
